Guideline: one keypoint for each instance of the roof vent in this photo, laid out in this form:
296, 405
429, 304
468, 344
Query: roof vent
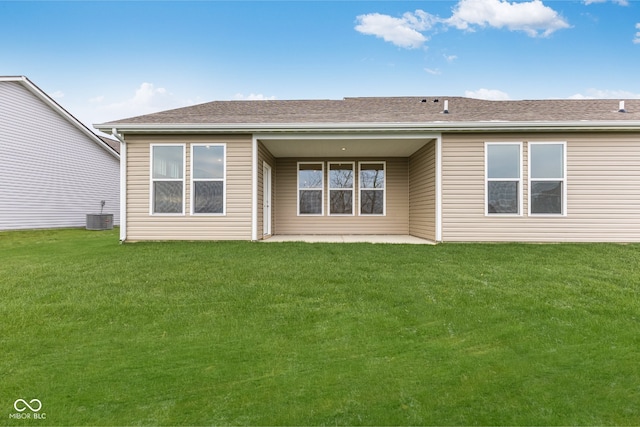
446, 107
621, 107
436, 100
423, 100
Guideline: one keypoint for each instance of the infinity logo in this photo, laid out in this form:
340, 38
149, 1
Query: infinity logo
35, 408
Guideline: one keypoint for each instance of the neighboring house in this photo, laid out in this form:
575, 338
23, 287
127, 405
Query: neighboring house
53, 169
443, 169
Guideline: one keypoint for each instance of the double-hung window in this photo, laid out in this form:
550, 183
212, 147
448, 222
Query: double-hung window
372, 188
547, 178
341, 188
503, 168
208, 178
167, 179
310, 188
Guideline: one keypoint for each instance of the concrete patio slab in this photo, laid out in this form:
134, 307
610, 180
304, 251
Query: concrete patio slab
350, 238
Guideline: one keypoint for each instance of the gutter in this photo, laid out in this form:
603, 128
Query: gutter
123, 184
450, 127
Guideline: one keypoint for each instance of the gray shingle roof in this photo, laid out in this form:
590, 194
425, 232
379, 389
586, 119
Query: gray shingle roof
115, 145
392, 110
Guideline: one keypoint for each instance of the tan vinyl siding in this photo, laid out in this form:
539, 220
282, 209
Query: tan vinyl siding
422, 192
603, 191
265, 156
235, 225
396, 220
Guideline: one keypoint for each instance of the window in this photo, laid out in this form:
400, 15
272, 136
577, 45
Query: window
503, 178
341, 188
208, 178
310, 188
372, 188
167, 179
547, 178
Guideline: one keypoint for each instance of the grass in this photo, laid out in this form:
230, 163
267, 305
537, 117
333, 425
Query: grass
239, 333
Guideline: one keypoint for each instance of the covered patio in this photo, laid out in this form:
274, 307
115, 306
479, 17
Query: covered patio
350, 238
407, 162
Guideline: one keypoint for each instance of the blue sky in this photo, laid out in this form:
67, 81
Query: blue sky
105, 60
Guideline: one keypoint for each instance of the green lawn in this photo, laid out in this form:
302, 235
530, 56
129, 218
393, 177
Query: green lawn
240, 333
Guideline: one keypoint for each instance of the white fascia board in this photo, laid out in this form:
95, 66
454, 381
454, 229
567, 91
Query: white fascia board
581, 125
12, 78
377, 127
255, 127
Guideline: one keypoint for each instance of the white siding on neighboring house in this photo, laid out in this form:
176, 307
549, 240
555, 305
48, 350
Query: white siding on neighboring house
51, 173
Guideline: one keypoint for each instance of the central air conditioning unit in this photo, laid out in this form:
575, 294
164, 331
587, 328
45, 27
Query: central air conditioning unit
100, 221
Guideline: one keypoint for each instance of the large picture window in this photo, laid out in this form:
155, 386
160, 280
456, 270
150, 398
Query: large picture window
310, 188
341, 188
372, 188
208, 178
167, 179
547, 178
503, 178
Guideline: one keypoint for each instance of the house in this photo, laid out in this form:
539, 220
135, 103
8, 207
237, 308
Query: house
439, 168
53, 169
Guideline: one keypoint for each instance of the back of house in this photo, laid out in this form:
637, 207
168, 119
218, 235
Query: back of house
438, 168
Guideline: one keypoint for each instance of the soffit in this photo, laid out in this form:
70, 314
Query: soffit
343, 147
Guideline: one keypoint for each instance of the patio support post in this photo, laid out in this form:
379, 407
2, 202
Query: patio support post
254, 188
439, 188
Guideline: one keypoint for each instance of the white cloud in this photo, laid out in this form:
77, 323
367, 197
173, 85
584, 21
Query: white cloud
532, 17
57, 94
489, 94
147, 95
605, 94
146, 99
252, 97
450, 58
404, 32
620, 2
636, 39
435, 72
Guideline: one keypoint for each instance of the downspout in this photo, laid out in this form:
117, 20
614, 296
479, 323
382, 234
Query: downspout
123, 184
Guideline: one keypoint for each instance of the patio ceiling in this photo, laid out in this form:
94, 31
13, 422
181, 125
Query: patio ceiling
343, 146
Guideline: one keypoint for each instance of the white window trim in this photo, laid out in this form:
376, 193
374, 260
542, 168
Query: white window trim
353, 188
152, 180
223, 179
487, 180
563, 179
383, 189
321, 188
